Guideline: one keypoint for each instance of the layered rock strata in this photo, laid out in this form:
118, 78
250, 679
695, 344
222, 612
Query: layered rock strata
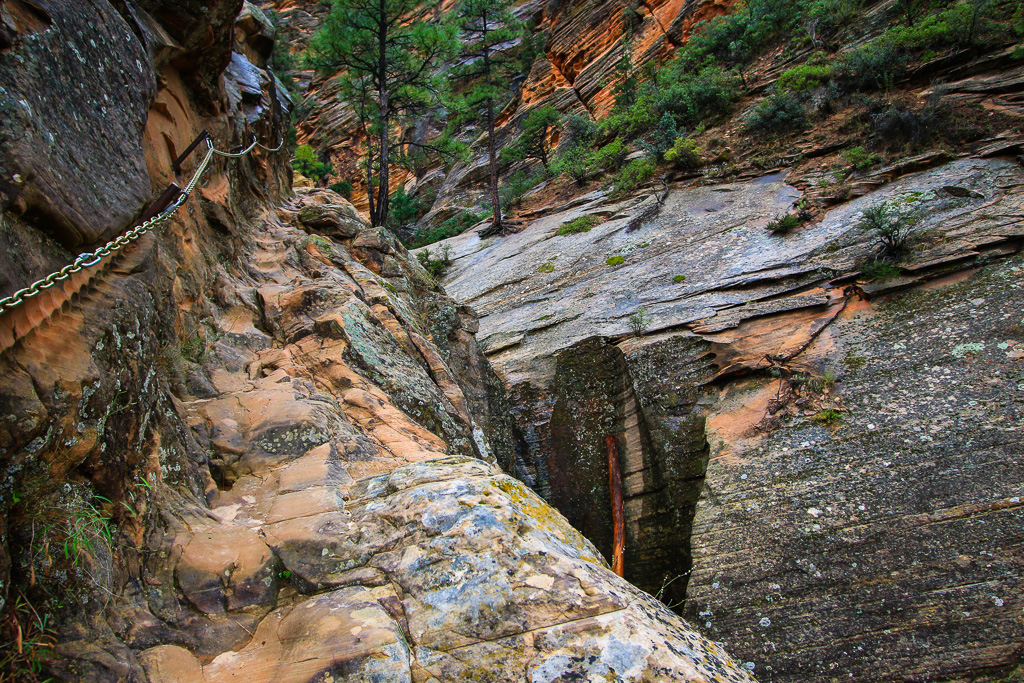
765, 402
262, 442
340, 509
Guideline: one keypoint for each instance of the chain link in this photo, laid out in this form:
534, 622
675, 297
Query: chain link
90, 259
274, 149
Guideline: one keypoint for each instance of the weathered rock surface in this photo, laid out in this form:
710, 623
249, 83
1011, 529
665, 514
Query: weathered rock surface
445, 570
261, 443
60, 119
887, 546
385, 558
727, 306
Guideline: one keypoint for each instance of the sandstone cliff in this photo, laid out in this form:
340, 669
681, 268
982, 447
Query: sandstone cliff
582, 42
820, 468
259, 442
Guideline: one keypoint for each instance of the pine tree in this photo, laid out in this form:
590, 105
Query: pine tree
483, 73
533, 143
387, 57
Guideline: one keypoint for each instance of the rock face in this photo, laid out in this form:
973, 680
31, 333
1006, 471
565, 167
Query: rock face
825, 468
583, 43
261, 442
888, 546
48, 58
336, 502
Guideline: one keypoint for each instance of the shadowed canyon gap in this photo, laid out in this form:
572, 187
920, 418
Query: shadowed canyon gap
262, 442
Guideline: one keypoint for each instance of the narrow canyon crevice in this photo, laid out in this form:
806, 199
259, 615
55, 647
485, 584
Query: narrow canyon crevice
601, 389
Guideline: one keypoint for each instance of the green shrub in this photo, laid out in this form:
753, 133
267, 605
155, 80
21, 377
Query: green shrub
804, 77
860, 158
897, 126
828, 417
547, 267
517, 186
875, 66
405, 208
533, 143
306, 163
574, 157
662, 137
455, 225
879, 63
684, 154
576, 162
828, 16
777, 113
633, 175
580, 130
879, 269
610, 156
579, 224
614, 260
735, 39
692, 99
436, 266
678, 278
344, 188
783, 224
676, 96
960, 25
891, 227
639, 321
634, 121
823, 383
193, 348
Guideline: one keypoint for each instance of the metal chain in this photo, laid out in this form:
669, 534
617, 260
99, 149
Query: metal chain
89, 259
275, 149
232, 155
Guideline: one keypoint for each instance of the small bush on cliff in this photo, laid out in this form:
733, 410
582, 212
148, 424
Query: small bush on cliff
639, 321
609, 157
579, 224
875, 66
344, 188
455, 225
436, 266
517, 186
804, 77
534, 142
778, 113
406, 208
898, 126
307, 163
879, 63
783, 224
633, 175
825, 17
828, 417
693, 99
891, 227
580, 130
574, 162
193, 348
879, 269
684, 154
860, 158
574, 157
